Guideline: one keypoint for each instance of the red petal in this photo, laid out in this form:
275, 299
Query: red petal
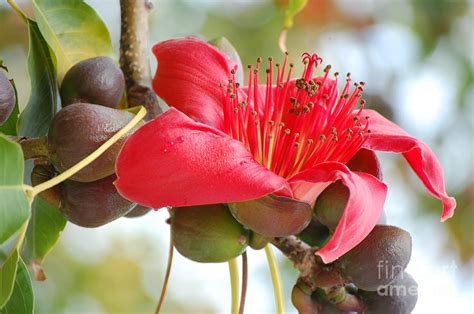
364, 206
175, 161
389, 137
188, 76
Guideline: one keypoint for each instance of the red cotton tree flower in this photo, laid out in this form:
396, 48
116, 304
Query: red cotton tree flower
221, 142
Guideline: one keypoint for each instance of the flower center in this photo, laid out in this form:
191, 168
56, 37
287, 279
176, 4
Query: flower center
295, 124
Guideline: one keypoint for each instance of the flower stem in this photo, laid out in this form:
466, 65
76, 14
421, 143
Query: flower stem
243, 292
86, 161
275, 279
167, 274
234, 284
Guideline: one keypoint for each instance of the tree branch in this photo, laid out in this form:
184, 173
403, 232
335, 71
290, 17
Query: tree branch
134, 55
303, 258
315, 274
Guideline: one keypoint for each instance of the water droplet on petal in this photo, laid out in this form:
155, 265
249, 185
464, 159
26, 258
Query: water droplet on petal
180, 139
171, 143
165, 150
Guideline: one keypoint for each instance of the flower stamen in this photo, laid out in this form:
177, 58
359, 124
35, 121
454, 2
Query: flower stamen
291, 126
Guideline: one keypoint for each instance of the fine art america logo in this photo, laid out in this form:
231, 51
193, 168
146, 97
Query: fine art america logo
395, 274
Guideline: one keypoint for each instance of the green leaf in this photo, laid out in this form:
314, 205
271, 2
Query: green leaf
14, 206
9, 127
22, 300
43, 102
73, 30
293, 8
44, 230
7, 278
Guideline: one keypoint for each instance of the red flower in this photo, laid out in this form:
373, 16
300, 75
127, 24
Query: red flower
221, 142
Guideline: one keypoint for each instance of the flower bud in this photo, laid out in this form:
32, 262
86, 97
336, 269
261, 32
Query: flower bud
330, 204
273, 216
208, 234
399, 297
315, 234
257, 241
332, 201
93, 204
302, 301
7, 98
380, 258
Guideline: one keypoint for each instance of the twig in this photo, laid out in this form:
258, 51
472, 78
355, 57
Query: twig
134, 55
303, 258
315, 274
243, 292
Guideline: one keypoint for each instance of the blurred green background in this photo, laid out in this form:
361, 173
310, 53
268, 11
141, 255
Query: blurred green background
417, 58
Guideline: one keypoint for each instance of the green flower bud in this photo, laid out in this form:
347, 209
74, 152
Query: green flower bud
330, 205
208, 234
315, 234
257, 241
